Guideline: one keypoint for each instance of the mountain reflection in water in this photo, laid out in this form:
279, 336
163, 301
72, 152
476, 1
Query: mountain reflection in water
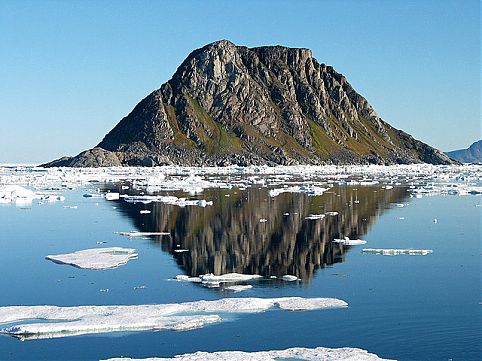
229, 237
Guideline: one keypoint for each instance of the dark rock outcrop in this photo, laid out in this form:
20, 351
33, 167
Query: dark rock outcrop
473, 154
229, 104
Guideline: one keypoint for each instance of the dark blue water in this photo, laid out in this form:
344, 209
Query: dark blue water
402, 307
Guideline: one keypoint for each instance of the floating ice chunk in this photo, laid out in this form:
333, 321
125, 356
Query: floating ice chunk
229, 277
311, 191
181, 202
349, 242
315, 216
96, 258
142, 234
181, 250
332, 213
263, 220
289, 278
16, 194
71, 207
435, 220
296, 353
78, 320
184, 278
238, 288
112, 196
395, 252
144, 211
210, 280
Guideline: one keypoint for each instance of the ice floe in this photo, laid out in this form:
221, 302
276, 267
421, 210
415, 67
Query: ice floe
349, 242
289, 278
77, 320
211, 280
395, 251
172, 200
295, 353
142, 234
96, 258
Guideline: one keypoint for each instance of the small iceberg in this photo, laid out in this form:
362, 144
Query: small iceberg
289, 278
295, 353
80, 320
142, 234
315, 216
96, 258
396, 252
211, 280
112, 196
349, 242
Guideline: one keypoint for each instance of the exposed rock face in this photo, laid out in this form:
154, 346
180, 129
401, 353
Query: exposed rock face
473, 154
229, 104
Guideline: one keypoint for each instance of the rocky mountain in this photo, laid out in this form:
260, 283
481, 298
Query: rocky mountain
229, 104
473, 154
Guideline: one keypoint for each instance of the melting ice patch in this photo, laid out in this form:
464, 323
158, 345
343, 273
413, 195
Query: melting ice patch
349, 242
78, 320
396, 252
210, 280
295, 353
96, 258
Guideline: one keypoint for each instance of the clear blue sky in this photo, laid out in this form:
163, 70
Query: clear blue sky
70, 70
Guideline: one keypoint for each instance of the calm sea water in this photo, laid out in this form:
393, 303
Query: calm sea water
403, 307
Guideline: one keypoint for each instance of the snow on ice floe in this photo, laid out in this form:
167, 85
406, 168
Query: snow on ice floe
211, 280
349, 242
18, 195
142, 234
77, 320
96, 258
396, 252
295, 353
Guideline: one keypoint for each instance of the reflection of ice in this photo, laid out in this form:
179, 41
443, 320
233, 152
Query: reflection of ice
68, 321
395, 252
296, 353
96, 258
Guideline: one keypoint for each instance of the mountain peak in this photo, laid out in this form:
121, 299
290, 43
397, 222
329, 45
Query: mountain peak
229, 104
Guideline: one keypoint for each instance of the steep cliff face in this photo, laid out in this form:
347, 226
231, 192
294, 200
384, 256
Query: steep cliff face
229, 104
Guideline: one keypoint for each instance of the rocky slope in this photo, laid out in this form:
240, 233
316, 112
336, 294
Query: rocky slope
229, 104
473, 154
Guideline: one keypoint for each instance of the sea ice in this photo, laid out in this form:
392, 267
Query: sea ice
295, 353
395, 252
77, 320
349, 242
96, 258
315, 216
289, 278
142, 234
210, 280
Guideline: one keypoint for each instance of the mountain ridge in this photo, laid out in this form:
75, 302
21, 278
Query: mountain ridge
229, 104
472, 154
